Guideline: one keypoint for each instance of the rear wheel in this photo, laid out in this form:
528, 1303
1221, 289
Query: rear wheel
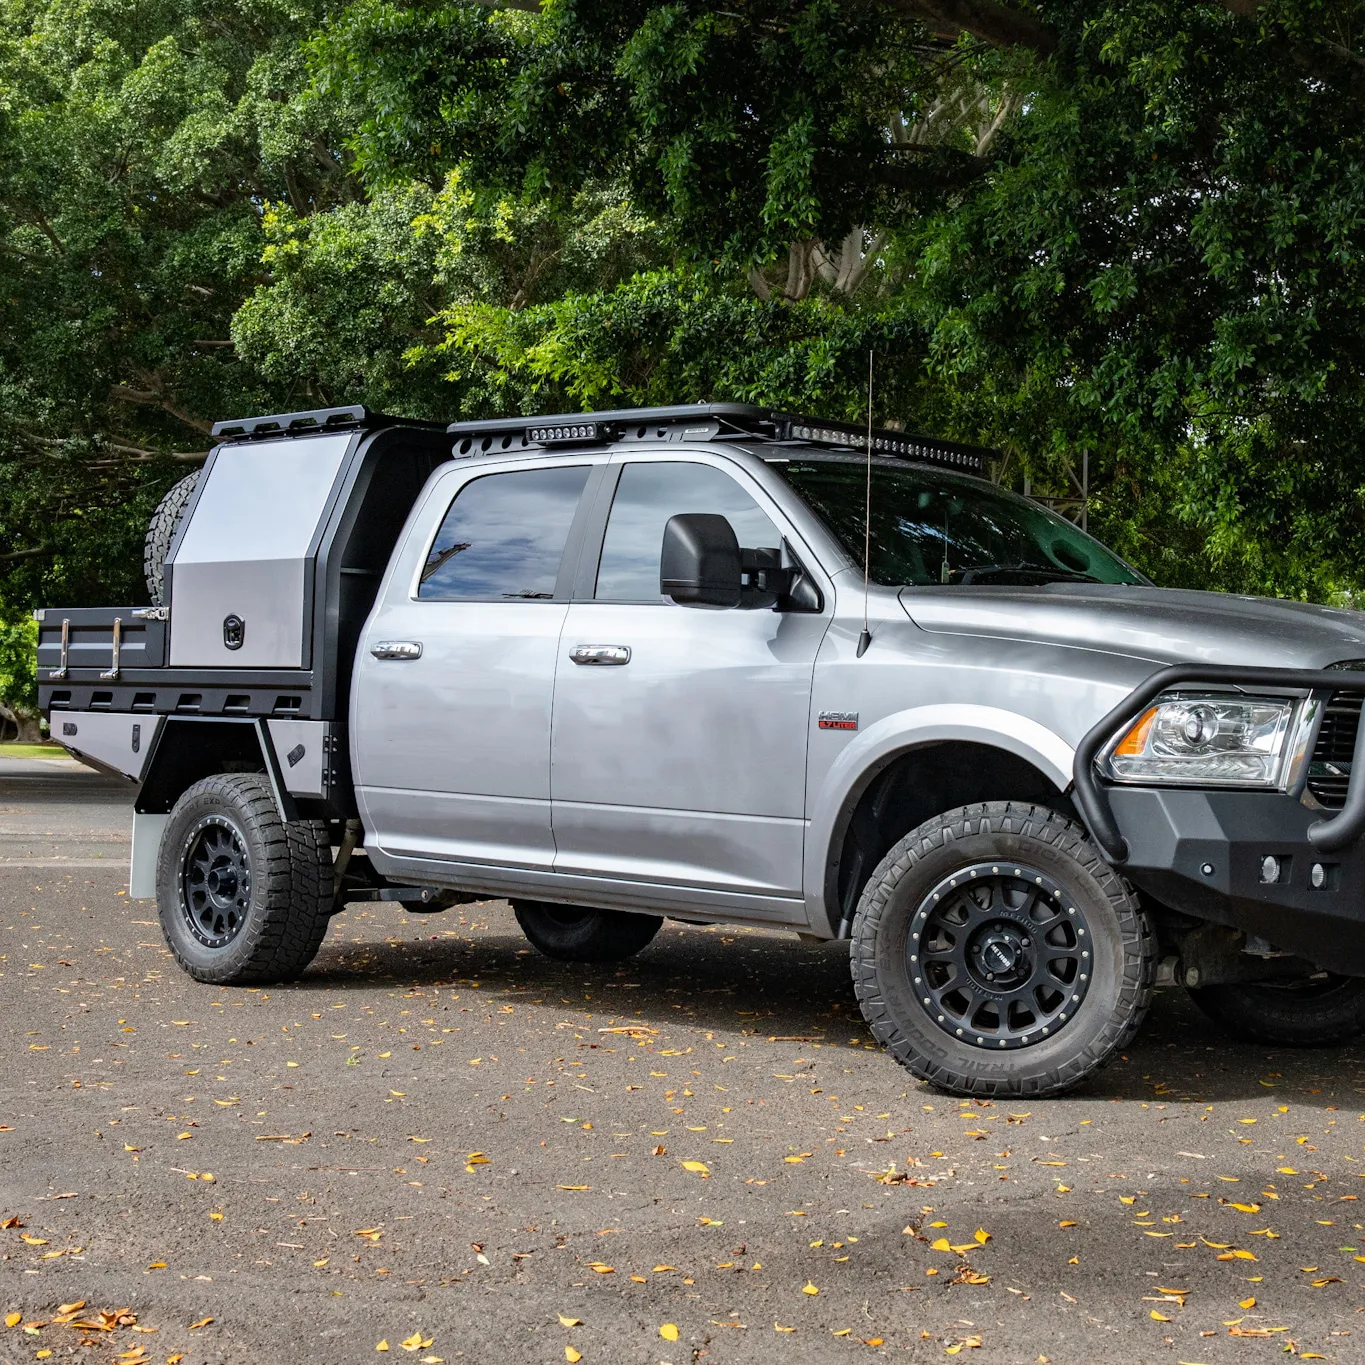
1315, 1011
244, 897
996, 953
571, 933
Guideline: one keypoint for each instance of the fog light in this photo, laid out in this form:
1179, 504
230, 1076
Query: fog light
1317, 874
1270, 869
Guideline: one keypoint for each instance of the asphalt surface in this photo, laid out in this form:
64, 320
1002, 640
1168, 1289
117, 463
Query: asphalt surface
441, 1141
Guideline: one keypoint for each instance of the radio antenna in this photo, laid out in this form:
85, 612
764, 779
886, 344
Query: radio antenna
865, 639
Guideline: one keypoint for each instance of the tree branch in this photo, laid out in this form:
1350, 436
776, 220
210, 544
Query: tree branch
36, 552
993, 23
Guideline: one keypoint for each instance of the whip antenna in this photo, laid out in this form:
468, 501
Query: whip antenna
865, 638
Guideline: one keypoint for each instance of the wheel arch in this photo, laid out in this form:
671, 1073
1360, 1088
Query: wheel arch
906, 769
188, 749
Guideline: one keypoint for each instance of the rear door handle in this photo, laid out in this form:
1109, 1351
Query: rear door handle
397, 649
600, 654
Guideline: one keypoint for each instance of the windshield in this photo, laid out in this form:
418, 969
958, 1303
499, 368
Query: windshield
931, 527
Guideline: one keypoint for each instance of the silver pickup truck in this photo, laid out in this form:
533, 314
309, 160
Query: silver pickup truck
727, 664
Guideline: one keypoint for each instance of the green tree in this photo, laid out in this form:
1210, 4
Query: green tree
138, 146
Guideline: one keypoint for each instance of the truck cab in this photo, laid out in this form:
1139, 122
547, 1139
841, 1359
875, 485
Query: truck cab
722, 663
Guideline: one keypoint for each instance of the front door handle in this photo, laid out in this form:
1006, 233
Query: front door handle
397, 649
600, 654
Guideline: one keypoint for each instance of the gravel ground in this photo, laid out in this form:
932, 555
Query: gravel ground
439, 1140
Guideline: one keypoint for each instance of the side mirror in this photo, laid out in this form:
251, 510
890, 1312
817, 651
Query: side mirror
700, 563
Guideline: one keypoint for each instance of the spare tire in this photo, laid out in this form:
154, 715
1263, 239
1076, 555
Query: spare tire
161, 531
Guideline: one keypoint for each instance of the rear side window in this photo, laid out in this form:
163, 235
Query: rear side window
503, 537
647, 495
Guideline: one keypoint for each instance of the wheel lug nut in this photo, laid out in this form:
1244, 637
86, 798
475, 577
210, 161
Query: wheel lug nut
1024, 943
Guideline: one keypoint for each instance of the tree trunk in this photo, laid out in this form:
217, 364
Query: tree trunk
26, 722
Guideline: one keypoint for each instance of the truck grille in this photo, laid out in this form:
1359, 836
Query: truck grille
1329, 770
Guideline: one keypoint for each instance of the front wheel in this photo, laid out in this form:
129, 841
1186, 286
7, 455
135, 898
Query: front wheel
244, 896
996, 953
1314, 1011
570, 933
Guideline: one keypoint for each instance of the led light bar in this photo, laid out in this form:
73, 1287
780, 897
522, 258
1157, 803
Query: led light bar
707, 422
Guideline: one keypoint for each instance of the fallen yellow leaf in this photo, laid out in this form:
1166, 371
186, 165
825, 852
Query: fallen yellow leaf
778, 1327
809, 1288
1247, 1303
383, 1345
13, 1319
981, 1236
939, 1244
572, 1356
570, 1322
697, 1168
1158, 1317
669, 1332
203, 1322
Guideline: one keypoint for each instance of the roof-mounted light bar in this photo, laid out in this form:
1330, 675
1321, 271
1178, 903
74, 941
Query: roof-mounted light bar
708, 422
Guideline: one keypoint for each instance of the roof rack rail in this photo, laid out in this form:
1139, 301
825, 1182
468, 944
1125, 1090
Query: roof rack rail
317, 419
710, 421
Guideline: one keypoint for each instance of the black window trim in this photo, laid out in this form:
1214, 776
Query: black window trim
571, 556
595, 527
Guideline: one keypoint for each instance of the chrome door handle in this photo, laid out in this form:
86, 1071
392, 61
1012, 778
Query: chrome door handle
600, 654
397, 649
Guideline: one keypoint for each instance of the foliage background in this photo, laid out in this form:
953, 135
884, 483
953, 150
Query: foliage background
1131, 229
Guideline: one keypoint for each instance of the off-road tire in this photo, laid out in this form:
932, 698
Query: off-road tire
1116, 997
571, 933
285, 908
1290, 1014
161, 531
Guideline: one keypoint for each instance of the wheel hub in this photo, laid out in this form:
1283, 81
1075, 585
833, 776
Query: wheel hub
215, 882
999, 955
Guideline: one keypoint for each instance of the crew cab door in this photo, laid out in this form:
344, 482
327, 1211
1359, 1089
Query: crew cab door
450, 710
679, 738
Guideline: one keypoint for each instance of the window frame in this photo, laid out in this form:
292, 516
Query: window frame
590, 558
570, 559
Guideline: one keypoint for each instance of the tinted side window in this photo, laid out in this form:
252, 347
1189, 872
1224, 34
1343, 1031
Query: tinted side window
503, 537
646, 497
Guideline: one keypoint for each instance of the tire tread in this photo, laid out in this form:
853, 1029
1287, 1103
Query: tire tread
1063, 835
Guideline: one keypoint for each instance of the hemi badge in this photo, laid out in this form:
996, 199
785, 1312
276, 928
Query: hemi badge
838, 720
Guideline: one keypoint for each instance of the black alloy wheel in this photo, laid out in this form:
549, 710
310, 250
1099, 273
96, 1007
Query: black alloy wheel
215, 882
1000, 955
995, 952
244, 896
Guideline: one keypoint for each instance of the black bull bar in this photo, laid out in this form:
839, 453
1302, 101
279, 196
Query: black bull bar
1092, 794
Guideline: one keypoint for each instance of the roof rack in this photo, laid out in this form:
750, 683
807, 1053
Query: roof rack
710, 421
317, 419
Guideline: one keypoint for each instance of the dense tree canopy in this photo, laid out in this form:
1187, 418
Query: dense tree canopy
1131, 229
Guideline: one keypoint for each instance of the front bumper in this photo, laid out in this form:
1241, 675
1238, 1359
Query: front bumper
1202, 852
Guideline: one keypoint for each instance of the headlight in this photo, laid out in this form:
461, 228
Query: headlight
1205, 741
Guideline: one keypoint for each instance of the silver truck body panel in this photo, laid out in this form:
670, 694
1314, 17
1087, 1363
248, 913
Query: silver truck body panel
687, 765
1163, 625
452, 749
300, 748
114, 740
244, 550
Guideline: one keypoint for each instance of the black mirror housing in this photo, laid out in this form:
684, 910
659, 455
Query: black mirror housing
700, 563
